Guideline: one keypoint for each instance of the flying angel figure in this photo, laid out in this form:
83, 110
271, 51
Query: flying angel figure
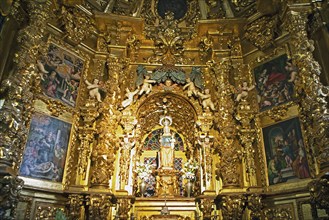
143, 79
195, 81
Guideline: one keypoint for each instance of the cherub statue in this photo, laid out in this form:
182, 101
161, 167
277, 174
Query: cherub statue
144, 79
194, 81
147, 86
130, 97
243, 91
191, 90
292, 70
94, 89
206, 100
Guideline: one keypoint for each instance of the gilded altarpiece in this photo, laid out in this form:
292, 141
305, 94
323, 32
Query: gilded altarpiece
237, 109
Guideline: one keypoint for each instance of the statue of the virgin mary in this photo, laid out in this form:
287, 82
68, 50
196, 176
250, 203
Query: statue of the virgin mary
167, 141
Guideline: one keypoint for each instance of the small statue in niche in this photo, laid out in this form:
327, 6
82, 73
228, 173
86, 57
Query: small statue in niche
243, 91
206, 100
130, 97
94, 89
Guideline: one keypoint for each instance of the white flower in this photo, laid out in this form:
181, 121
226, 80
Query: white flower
143, 170
189, 169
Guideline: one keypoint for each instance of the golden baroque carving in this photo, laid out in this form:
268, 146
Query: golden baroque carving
180, 109
47, 210
261, 165
205, 47
99, 205
223, 118
102, 157
245, 115
10, 188
255, 205
319, 191
103, 41
169, 42
75, 204
228, 169
77, 24
30, 38
133, 45
87, 130
232, 206
277, 113
278, 213
124, 205
72, 164
261, 32
14, 117
313, 106
206, 206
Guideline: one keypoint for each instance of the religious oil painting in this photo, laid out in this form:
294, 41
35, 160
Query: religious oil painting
46, 147
285, 152
275, 82
60, 74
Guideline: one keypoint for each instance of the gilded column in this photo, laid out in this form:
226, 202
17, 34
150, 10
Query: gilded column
205, 140
87, 130
245, 115
16, 109
319, 191
225, 145
103, 154
311, 98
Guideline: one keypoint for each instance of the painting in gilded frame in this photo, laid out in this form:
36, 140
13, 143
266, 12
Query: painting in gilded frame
275, 82
285, 152
46, 147
61, 72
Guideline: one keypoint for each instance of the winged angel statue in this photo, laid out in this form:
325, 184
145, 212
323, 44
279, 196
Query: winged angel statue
143, 79
194, 81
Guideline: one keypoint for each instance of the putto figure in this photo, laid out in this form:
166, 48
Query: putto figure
94, 89
144, 80
147, 86
130, 98
244, 91
206, 100
191, 90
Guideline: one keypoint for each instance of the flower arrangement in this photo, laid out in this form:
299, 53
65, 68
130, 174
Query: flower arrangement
189, 170
143, 170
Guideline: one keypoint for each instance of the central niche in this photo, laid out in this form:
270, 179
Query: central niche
177, 7
151, 147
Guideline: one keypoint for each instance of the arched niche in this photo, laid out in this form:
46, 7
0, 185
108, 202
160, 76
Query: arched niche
150, 148
183, 113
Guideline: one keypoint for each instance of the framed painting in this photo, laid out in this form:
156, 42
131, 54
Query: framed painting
46, 147
61, 72
285, 152
275, 82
